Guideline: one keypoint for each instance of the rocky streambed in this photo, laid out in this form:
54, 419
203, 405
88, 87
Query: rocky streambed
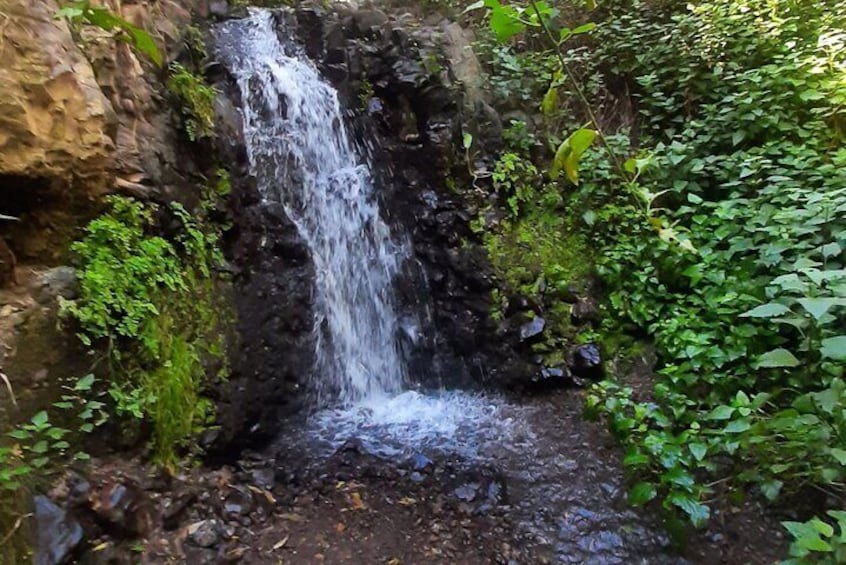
529, 482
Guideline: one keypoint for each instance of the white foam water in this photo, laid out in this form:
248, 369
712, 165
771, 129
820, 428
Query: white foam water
301, 156
471, 426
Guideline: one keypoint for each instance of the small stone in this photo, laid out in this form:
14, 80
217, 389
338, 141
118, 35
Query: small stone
219, 8
123, 505
587, 362
585, 311
532, 329
264, 478
239, 502
419, 462
467, 492
205, 533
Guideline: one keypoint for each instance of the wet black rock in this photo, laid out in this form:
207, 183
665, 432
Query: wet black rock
219, 8
584, 311
264, 478
239, 502
174, 507
420, 462
57, 534
122, 506
587, 362
533, 329
549, 378
467, 492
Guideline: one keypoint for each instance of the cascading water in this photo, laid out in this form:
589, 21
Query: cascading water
301, 155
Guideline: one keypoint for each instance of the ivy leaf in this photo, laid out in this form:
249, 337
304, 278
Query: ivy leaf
771, 310
143, 41
696, 511
698, 450
85, 383
642, 493
777, 358
586, 28
738, 426
40, 419
834, 348
839, 455
831, 250
771, 489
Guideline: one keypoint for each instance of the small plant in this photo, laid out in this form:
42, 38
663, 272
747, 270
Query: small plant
196, 99
40, 443
83, 12
816, 542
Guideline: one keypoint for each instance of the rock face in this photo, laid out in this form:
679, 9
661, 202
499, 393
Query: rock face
77, 124
54, 119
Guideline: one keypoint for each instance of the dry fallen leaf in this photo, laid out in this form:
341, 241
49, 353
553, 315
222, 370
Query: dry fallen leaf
280, 544
291, 517
407, 501
265, 493
357, 503
340, 527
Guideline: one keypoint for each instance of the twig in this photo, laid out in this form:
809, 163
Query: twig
9, 387
14, 529
579, 92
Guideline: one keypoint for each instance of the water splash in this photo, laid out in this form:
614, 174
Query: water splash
301, 155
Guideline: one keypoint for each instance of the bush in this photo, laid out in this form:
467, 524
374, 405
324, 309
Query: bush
151, 304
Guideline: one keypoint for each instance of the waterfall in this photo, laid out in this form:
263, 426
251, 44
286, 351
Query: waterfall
302, 157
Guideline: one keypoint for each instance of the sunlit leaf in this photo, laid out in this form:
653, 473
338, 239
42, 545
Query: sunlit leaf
834, 348
770, 310
778, 358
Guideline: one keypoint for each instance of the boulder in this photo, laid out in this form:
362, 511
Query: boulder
57, 534
122, 505
587, 362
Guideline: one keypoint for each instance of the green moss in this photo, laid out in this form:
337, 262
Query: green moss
534, 250
196, 100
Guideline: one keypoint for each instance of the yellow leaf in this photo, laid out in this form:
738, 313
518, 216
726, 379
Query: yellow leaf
357, 502
550, 101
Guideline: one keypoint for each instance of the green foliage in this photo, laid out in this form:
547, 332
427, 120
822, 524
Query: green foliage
151, 303
738, 167
531, 244
196, 99
741, 105
83, 12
